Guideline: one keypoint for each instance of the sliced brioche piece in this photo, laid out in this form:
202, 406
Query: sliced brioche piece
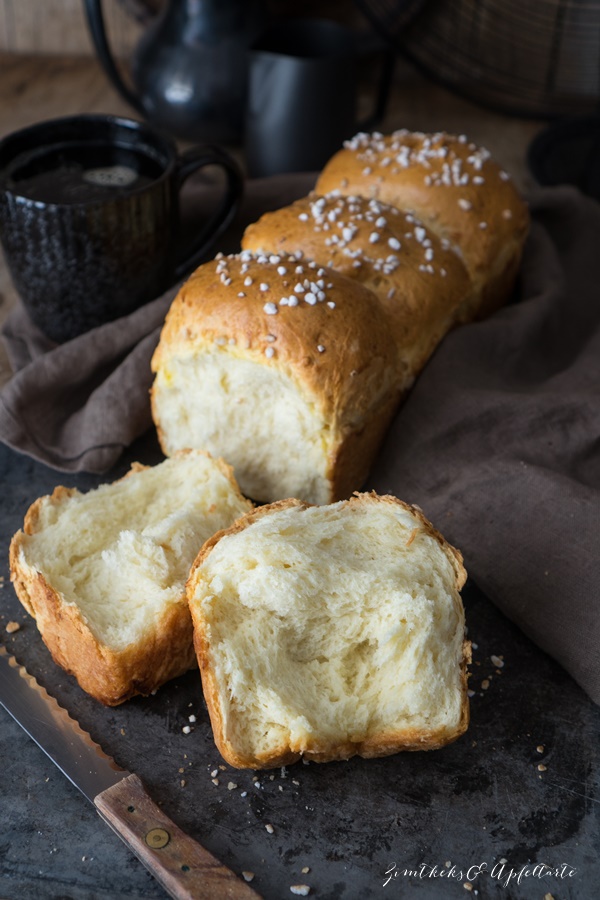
420, 281
330, 631
458, 190
285, 369
103, 573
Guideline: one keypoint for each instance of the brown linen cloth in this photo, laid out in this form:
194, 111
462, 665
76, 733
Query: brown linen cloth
498, 441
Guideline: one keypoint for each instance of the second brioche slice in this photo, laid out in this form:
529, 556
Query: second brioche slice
331, 631
104, 573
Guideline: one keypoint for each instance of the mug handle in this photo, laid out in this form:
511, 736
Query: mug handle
188, 163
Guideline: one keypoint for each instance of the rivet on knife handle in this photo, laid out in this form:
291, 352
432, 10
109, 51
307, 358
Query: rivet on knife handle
184, 868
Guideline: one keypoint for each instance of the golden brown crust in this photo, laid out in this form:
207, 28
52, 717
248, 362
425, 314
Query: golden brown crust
383, 744
420, 281
350, 462
216, 309
108, 675
450, 183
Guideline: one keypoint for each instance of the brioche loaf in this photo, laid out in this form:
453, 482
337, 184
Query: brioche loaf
284, 368
455, 187
103, 573
290, 359
331, 631
420, 281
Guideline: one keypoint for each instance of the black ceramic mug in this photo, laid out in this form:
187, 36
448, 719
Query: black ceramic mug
303, 94
89, 218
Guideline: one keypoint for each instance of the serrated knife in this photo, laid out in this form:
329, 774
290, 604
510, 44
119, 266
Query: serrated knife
182, 866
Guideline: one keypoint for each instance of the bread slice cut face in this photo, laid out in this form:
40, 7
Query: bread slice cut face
330, 631
104, 573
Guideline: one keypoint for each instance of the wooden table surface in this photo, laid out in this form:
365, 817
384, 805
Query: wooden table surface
36, 88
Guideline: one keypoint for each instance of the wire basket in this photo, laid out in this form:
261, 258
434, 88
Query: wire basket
538, 58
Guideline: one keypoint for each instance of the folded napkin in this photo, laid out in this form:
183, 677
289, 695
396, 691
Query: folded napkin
498, 442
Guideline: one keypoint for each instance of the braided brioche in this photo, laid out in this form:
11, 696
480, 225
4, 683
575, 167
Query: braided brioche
455, 187
420, 281
290, 360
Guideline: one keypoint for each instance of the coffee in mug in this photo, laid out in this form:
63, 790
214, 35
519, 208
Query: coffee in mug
89, 218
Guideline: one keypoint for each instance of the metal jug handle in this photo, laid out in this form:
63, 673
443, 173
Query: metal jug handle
95, 19
188, 163
383, 92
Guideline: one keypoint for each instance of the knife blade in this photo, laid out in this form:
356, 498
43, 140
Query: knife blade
185, 869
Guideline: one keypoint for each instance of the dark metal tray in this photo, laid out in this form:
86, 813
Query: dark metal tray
482, 800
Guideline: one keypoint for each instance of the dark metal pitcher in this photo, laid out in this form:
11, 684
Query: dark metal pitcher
189, 71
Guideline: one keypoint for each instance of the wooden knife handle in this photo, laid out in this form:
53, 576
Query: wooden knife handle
184, 868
